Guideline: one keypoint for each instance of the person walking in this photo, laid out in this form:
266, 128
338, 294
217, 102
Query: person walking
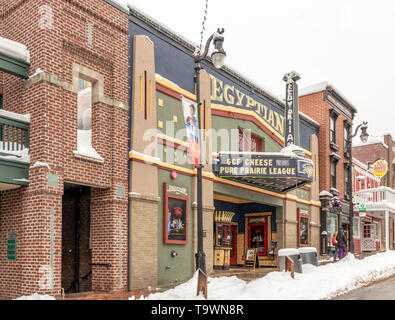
336, 245
341, 241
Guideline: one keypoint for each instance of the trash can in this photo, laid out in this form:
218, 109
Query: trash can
294, 255
309, 255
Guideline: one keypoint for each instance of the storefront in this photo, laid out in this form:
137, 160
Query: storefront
250, 187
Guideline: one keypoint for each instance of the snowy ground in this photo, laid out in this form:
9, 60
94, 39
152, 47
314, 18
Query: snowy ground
315, 283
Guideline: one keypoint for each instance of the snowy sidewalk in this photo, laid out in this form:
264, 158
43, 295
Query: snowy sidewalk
315, 283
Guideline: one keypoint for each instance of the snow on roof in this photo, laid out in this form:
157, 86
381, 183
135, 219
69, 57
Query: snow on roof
371, 140
14, 50
15, 116
335, 155
309, 119
321, 86
325, 193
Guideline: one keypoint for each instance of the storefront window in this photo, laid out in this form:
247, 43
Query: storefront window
331, 226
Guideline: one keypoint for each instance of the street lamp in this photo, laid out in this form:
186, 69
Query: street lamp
364, 138
218, 59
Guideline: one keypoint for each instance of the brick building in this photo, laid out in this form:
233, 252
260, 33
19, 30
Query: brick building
379, 198
69, 219
81, 208
334, 112
378, 148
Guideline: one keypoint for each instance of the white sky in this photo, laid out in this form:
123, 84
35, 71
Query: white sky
349, 43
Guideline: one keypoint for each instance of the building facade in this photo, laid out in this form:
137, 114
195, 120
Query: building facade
64, 220
239, 213
325, 104
101, 197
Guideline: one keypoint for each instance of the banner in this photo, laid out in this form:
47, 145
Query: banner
192, 125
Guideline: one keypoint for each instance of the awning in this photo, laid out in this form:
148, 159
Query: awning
276, 171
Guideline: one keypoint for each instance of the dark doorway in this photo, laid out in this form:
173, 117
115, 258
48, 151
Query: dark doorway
76, 248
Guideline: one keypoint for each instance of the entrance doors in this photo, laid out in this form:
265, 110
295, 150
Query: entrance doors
368, 239
76, 251
233, 239
257, 235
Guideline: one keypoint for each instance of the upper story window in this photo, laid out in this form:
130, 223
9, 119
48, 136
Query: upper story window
249, 142
346, 180
332, 129
333, 164
346, 135
1, 101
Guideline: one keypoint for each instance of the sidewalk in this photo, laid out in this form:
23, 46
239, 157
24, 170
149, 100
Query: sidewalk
239, 272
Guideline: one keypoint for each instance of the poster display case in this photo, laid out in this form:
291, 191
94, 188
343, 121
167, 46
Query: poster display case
175, 214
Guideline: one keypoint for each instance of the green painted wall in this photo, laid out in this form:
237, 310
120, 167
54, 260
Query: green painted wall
180, 266
269, 145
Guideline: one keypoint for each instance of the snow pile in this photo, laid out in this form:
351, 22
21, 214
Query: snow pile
84, 145
15, 116
36, 296
40, 164
315, 283
20, 152
14, 50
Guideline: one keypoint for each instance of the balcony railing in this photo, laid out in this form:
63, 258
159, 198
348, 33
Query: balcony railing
380, 195
14, 148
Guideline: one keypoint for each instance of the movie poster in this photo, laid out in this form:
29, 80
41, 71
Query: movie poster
192, 126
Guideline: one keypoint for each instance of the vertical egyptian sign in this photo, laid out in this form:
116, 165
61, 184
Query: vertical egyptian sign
192, 125
291, 109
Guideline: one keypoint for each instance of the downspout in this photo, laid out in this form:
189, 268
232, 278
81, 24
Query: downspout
130, 59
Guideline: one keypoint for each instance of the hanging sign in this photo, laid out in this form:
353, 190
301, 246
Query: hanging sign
261, 165
380, 168
291, 109
192, 126
362, 210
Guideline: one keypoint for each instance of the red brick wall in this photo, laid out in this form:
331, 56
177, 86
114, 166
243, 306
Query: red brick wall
53, 138
316, 108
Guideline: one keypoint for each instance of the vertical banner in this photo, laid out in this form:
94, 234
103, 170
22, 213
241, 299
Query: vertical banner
192, 125
291, 109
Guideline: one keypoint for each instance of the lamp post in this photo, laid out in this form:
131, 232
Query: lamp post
218, 59
364, 138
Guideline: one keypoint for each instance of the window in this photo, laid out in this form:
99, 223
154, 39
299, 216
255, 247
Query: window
346, 179
249, 142
1, 101
332, 129
331, 226
346, 135
356, 227
333, 164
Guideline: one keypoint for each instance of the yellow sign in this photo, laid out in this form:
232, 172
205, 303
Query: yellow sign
380, 168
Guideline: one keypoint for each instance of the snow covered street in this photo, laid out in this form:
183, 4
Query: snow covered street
323, 282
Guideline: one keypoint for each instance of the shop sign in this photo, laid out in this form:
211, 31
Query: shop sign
257, 220
11, 245
362, 210
380, 168
225, 93
264, 166
291, 108
177, 190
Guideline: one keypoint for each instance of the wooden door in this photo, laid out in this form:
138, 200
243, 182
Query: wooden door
257, 237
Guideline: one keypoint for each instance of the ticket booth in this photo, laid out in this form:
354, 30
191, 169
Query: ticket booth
223, 242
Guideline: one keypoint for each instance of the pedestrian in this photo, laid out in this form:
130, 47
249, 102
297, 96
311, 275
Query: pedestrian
336, 245
341, 241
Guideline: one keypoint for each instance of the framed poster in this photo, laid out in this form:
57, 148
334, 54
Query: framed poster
175, 214
303, 228
250, 257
